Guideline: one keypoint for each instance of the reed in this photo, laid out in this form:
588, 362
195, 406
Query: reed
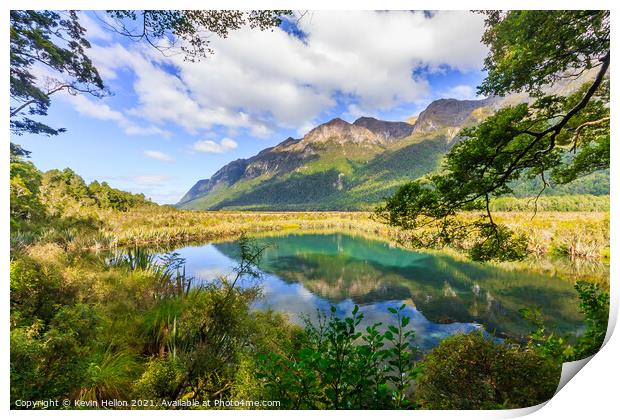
583, 235
576, 234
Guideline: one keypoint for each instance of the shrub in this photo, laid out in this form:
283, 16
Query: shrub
339, 367
52, 362
160, 379
595, 306
497, 242
469, 371
36, 291
109, 376
25, 205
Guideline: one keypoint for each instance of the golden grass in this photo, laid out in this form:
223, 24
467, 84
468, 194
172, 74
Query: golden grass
577, 234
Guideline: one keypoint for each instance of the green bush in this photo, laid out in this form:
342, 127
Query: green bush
581, 202
52, 361
62, 190
160, 379
25, 182
109, 376
339, 367
497, 242
36, 291
595, 307
469, 371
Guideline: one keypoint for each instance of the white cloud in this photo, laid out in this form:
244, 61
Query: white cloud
461, 92
157, 155
101, 111
161, 195
354, 111
94, 30
305, 128
164, 97
210, 146
259, 81
210, 273
98, 110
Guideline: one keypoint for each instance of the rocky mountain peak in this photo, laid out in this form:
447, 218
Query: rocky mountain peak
340, 131
364, 139
389, 130
448, 113
336, 122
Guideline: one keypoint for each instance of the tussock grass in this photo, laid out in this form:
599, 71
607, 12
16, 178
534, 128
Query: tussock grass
574, 234
578, 235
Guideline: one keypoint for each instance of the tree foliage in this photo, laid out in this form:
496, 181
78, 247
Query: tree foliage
555, 135
48, 51
531, 49
59, 207
25, 181
594, 304
187, 31
47, 42
63, 189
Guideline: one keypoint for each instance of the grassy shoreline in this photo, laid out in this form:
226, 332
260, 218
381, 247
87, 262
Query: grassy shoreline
572, 245
576, 234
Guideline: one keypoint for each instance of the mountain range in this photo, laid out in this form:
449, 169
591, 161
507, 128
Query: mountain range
348, 166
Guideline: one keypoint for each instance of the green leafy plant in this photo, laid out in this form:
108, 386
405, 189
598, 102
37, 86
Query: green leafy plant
340, 367
594, 304
595, 307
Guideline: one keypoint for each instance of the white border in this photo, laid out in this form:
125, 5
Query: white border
592, 394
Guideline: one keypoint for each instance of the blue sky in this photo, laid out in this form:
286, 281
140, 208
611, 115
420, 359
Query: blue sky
170, 123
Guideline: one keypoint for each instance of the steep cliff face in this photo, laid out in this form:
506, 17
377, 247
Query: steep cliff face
337, 165
293, 153
445, 113
226, 176
338, 131
389, 130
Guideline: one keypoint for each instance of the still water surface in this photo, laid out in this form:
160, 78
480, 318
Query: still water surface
443, 294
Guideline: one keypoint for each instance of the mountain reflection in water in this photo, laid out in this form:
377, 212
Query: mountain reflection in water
444, 295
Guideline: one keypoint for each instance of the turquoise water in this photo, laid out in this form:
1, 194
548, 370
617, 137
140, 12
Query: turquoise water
443, 295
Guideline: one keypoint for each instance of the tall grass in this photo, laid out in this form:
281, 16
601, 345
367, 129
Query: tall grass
168, 269
575, 234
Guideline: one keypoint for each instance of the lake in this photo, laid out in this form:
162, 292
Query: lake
443, 294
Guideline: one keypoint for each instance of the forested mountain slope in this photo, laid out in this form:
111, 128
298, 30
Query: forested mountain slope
353, 166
